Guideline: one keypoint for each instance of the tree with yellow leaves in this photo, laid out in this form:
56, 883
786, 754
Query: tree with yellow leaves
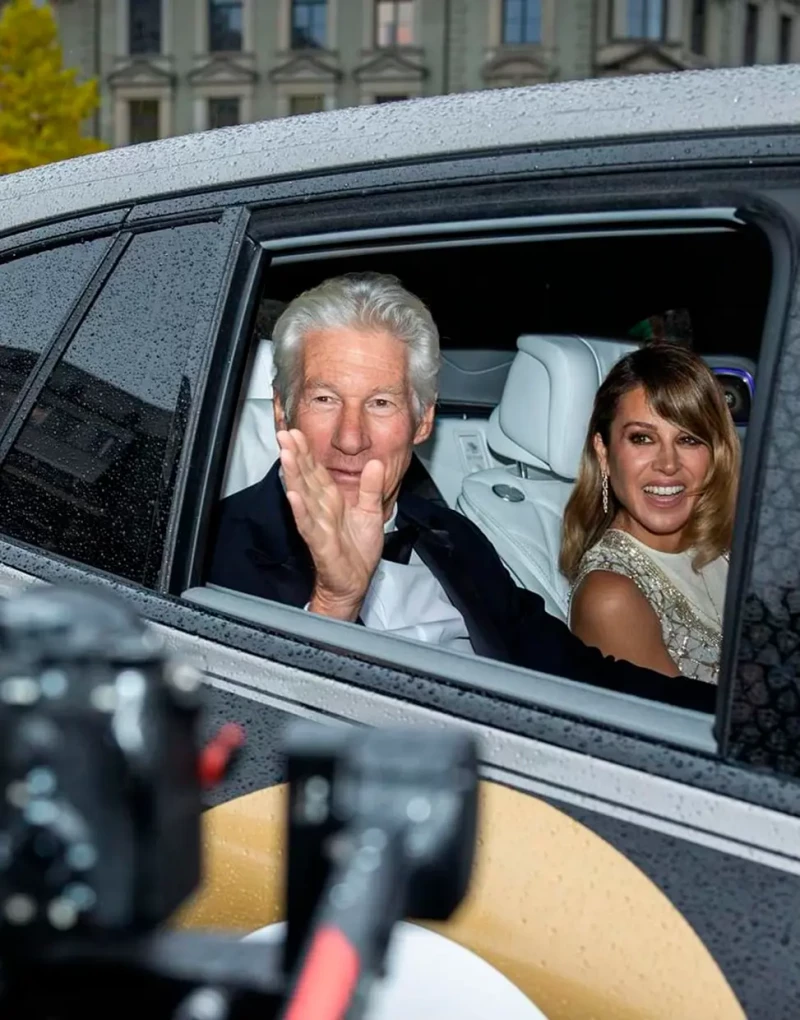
42, 104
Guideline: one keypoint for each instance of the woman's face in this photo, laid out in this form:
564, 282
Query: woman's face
655, 470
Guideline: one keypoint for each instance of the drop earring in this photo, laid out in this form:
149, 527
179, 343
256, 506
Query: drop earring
605, 493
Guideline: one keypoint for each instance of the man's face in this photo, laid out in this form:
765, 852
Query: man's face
354, 405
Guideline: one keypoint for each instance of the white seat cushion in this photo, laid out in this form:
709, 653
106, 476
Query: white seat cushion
254, 448
540, 425
526, 534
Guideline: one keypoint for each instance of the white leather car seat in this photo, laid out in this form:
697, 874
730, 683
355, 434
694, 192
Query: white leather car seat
540, 427
254, 448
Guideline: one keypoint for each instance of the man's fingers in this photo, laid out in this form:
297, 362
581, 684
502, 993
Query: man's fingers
315, 475
291, 470
298, 481
287, 438
370, 490
294, 471
300, 440
297, 467
302, 518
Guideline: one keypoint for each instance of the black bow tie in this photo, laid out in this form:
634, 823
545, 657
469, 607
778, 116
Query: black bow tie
397, 545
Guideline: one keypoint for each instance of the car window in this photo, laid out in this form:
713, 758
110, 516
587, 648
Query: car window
36, 295
507, 483
89, 477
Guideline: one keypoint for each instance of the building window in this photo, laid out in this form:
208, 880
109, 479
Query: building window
751, 34
647, 19
225, 25
224, 112
699, 26
394, 22
306, 104
390, 99
144, 26
522, 21
785, 39
309, 24
143, 117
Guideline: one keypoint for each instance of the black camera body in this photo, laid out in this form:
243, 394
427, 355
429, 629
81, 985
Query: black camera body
101, 801
100, 815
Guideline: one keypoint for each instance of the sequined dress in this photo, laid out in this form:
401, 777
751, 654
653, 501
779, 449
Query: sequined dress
688, 603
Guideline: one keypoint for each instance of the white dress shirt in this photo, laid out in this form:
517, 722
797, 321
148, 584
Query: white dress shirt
407, 600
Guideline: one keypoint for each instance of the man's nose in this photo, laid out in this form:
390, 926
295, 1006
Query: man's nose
350, 436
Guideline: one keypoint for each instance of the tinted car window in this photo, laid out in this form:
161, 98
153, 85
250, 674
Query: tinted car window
36, 295
90, 474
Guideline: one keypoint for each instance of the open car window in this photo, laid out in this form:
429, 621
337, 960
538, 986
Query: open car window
610, 287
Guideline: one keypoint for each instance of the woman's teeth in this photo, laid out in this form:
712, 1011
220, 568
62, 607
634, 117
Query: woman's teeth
664, 490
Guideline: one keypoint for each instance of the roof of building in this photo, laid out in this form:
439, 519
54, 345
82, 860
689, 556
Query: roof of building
539, 115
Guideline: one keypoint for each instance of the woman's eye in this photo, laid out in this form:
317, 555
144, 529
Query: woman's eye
690, 441
640, 438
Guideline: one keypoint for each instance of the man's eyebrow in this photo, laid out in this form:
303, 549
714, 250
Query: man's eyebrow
394, 391
321, 384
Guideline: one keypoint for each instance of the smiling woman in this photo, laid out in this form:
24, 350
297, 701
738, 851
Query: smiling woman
648, 527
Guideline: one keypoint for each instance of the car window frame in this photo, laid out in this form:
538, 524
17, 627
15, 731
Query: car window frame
234, 220
612, 709
781, 215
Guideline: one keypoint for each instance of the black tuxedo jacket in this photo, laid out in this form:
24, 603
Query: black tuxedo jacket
259, 551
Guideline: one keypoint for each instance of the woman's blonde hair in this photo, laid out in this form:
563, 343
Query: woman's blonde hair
680, 388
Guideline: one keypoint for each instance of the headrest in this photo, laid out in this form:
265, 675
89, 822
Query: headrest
544, 413
254, 447
260, 385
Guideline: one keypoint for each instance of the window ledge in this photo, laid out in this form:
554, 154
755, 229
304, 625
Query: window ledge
664, 723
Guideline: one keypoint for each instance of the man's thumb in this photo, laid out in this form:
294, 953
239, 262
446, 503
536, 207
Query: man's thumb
370, 491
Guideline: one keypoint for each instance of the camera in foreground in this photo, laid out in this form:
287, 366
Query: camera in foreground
100, 834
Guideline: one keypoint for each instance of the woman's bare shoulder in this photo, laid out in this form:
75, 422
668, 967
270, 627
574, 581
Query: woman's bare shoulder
610, 598
609, 612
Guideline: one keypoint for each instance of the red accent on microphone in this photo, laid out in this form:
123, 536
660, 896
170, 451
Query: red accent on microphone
328, 980
216, 756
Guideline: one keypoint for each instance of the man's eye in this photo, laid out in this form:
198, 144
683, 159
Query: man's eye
322, 399
381, 403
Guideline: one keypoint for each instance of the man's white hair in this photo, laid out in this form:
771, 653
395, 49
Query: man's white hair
370, 303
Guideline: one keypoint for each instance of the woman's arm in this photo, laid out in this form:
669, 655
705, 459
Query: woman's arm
610, 613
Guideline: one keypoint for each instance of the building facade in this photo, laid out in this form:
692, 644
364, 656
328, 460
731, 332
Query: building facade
170, 67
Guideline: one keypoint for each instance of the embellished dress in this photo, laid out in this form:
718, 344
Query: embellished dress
688, 603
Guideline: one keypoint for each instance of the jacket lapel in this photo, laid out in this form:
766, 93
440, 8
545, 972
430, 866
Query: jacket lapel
277, 550
449, 563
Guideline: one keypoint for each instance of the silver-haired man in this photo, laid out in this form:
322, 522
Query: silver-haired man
335, 528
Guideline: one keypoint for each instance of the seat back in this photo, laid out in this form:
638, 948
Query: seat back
539, 426
254, 448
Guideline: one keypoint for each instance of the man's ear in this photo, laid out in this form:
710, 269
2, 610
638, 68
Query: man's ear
425, 425
277, 410
601, 452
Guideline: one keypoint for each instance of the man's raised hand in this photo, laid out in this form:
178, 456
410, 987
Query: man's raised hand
345, 541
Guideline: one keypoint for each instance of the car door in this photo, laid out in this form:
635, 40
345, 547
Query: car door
597, 808
575, 787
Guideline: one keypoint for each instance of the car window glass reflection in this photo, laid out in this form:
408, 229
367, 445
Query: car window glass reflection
36, 295
90, 474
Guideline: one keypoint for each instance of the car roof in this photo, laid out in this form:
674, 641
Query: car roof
538, 115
